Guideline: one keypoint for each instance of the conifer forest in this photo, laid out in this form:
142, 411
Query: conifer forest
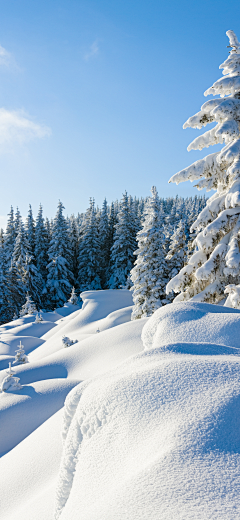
118, 246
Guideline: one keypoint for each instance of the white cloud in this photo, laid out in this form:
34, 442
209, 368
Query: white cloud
93, 51
16, 127
5, 57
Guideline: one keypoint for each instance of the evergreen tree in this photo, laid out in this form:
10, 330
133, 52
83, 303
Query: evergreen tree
29, 307
73, 298
20, 357
149, 274
59, 279
33, 281
17, 221
5, 295
16, 290
73, 246
30, 228
178, 248
216, 260
122, 258
89, 253
41, 245
104, 238
9, 238
21, 250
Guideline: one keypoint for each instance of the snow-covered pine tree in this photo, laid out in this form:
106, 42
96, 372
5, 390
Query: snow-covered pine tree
6, 313
16, 290
89, 252
216, 260
30, 228
73, 298
10, 383
59, 279
149, 274
33, 281
178, 247
20, 357
73, 246
17, 221
122, 259
21, 250
41, 245
105, 245
9, 238
29, 307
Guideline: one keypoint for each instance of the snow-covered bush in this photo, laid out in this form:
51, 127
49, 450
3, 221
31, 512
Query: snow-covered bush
20, 356
29, 307
67, 342
10, 383
73, 298
215, 262
39, 317
233, 299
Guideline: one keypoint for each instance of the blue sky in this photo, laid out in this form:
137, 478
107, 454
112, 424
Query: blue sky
93, 96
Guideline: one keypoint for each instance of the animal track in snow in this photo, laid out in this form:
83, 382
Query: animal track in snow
90, 424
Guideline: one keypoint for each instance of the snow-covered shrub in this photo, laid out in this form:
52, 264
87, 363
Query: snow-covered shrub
20, 356
29, 307
67, 342
73, 298
215, 262
233, 299
39, 317
10, 383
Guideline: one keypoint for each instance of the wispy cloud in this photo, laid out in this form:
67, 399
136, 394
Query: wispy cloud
16, 127
6, 58
93, 51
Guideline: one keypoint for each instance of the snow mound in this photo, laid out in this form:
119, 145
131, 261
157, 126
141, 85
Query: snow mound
67, 309
98, 304
93, 356
157, 437
29, 470
29, 318
35, 403
192, 322
32, 329
10, 342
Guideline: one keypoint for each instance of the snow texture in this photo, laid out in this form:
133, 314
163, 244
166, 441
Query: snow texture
147, 434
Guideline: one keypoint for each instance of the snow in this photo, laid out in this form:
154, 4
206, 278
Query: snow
150, 424
169, 449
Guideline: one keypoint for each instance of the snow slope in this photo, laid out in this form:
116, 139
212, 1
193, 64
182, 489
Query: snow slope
149, 434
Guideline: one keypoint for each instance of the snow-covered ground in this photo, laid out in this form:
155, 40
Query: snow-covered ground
150, 426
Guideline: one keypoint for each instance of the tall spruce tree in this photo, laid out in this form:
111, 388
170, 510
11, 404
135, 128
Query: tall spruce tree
41, 245
150, 272
122, 259
59, 279
89, 252
105, 245
30, 228
9, 238
216, 260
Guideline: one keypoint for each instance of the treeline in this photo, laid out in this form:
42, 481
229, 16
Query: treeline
93, 250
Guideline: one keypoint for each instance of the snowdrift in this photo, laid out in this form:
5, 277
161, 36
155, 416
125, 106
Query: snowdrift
148, 433
158, 437
192, 322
